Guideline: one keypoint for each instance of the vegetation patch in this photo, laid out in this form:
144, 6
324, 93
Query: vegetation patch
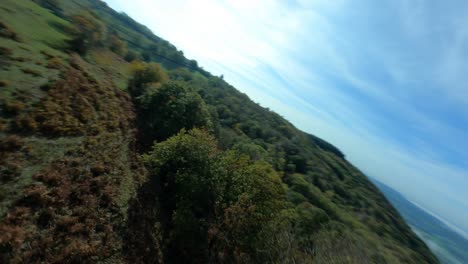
7, 32
33, 72
4, 83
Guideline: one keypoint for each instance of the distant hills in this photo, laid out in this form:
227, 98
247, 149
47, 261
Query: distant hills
449, 246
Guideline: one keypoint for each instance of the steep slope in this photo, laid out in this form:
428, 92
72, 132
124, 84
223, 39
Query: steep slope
77, 112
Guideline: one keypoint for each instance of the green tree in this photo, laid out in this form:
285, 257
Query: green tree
117, 46
171, 107
145, 75
222, 205
87, 32
131, 56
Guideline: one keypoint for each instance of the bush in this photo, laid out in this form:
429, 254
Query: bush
4, 83
144, 75
131, 56
117, 46
170, 108
33, 72
26, 124
7, 32
219, 203
5, 52
87, 32
54, 63
14, 107
11, 143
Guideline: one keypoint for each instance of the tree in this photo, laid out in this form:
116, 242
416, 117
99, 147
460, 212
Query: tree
145, 75
87, 32
171, 107
131, 56
117, 46
222, 205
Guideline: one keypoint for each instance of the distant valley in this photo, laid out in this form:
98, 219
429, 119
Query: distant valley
448, 245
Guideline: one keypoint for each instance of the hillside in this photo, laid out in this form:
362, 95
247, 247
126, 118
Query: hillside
116, 148
446, 244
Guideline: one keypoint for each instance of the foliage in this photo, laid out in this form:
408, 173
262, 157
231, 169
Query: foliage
131, 56
55, 63
171, 107
218, 201
145, 75
117, 45
87, 32
31, 71
7, 32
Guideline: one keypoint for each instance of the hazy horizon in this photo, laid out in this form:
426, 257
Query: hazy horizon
383, 81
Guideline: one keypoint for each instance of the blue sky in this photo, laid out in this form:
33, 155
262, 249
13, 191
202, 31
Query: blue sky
385, 81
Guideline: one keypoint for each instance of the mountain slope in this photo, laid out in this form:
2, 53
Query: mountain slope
447, 244
81, 102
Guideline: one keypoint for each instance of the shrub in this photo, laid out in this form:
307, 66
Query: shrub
3, 125
19, 59
117, 45
220, 202
11, 236
14, 107
11, 143
33, 72
5, 52
144, 75
4, 83
131, 56
26, 123
7, 32
172, 107
87, 32
54, 63
47, 54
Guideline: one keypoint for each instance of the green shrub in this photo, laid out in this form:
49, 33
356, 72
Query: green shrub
87, 31
7, 32
170, 108
117, 46
33, 72
5, 52
145, 75
14, 107
54, 63
218, 203
4, 83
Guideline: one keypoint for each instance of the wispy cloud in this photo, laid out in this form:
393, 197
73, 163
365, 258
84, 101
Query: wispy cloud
384, 81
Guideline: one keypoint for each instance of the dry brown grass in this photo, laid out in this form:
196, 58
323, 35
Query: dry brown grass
78, 105
70, 212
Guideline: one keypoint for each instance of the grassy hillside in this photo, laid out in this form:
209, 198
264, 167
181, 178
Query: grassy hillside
93, 167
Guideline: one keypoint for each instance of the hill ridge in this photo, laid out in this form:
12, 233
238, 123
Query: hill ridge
108, 156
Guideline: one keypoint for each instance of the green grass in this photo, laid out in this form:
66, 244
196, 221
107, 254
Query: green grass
38, 153
34, 24
39, 32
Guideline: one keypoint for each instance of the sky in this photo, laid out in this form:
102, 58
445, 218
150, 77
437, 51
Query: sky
385, 81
